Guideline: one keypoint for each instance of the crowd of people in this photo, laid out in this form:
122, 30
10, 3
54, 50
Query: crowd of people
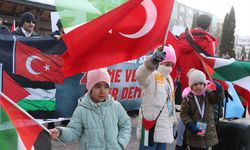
99, 122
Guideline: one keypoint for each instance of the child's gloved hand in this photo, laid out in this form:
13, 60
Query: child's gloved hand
192, 127
215, 85
218, 85
158, 57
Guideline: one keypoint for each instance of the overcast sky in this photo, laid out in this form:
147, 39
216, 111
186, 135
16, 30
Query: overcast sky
221, 7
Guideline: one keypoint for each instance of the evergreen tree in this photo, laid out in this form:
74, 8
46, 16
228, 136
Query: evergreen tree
227, 38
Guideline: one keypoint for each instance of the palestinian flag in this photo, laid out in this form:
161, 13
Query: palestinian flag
237, 72
40, 99
74, 14
21, 131
147, 132
35, 64
9, 137
7, 86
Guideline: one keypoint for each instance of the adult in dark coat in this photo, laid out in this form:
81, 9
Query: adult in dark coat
3, 28
26, 25
26, 29
186, 55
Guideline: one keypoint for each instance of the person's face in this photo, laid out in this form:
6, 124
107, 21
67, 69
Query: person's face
99, 92
168, 64
198, 87
29, 26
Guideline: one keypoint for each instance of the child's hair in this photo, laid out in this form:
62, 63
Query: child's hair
204, 21
97, 75
196, 76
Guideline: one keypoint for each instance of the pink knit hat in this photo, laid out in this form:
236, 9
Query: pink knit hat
170, 54
97, 75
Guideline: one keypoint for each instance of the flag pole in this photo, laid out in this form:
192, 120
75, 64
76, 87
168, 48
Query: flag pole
164, 40
166, 34
27, 114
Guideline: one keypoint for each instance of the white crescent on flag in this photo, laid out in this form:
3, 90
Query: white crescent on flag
28, 64
151, 16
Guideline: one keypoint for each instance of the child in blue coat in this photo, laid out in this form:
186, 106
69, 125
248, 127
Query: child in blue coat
98, 122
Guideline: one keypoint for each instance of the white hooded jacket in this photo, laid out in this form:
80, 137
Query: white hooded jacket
156, 89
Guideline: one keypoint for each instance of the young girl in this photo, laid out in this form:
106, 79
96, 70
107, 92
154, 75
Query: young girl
158, 104
98, 122
197, 112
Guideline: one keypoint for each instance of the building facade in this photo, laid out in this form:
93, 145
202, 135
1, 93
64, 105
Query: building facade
240, 43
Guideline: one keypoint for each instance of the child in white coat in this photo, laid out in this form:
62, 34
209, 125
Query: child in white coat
157, 112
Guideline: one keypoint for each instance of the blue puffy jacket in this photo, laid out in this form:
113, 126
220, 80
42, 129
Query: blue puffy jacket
98, 126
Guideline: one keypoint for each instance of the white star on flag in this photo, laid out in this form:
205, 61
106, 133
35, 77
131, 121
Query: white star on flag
46, 67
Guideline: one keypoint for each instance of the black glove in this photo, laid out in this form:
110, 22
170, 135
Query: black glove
192, 127
158, 57
228, 96
218, 85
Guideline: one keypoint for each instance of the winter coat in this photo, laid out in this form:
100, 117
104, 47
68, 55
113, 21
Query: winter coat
187, 57
4, 29
98, 126
190, 112
154, 97
20, 33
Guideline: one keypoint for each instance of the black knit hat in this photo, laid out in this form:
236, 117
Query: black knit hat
26, 17
204, 21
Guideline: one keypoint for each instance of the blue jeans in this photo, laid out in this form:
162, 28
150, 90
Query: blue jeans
180, 131
156, 146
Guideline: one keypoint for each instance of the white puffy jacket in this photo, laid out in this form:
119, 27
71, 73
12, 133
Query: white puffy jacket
154, 95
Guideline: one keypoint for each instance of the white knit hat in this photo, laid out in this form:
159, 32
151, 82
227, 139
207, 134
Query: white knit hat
196, 76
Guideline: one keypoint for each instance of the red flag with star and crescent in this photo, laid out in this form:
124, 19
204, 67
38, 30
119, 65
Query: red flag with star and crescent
37, 66
125, 33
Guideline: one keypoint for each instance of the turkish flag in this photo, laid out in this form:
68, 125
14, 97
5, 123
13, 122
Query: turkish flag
37, 66
8, 85
126, 32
